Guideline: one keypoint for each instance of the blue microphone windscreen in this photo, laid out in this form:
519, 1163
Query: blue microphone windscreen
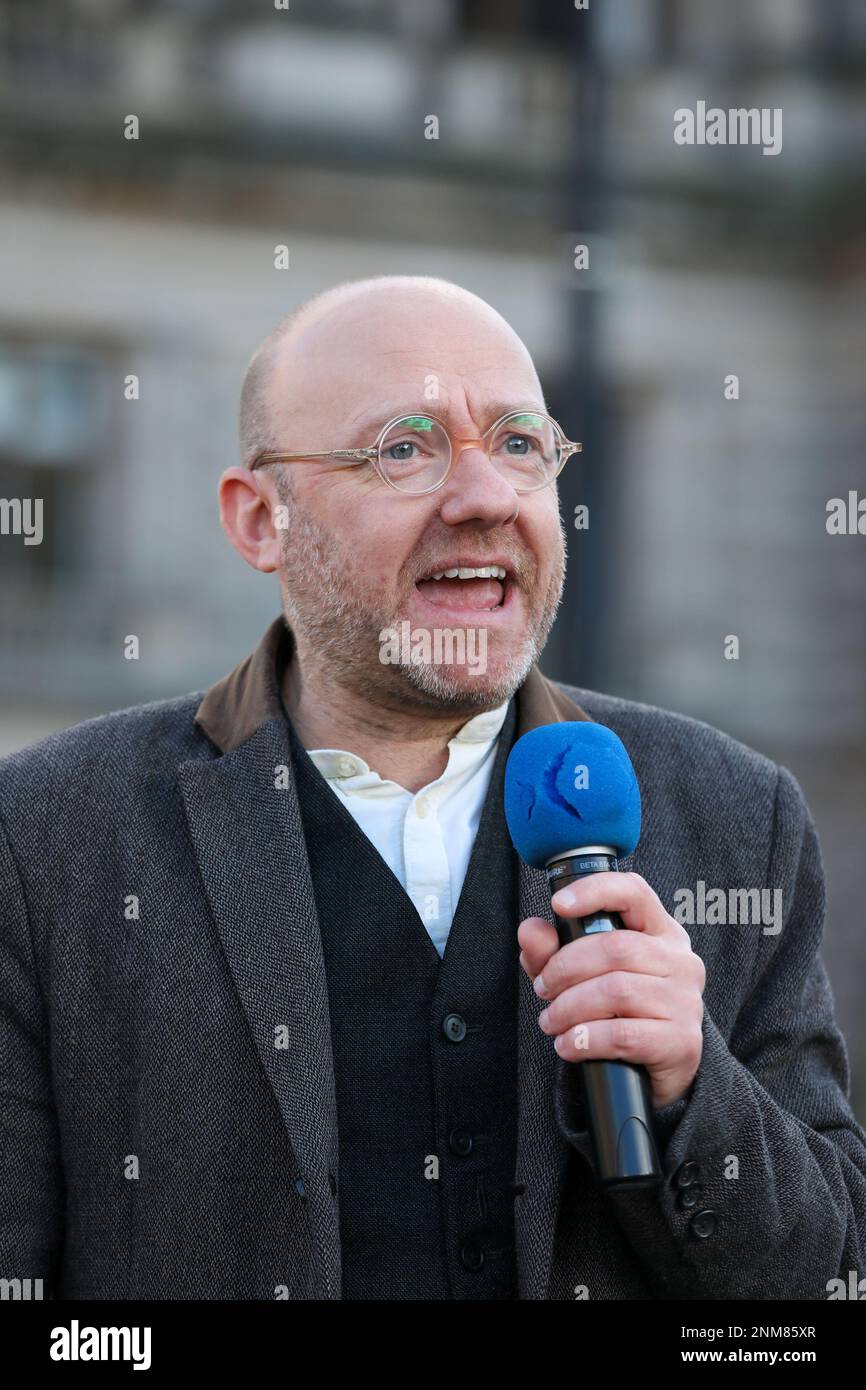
568, 786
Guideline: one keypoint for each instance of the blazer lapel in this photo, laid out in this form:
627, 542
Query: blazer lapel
542, 1152
248, 838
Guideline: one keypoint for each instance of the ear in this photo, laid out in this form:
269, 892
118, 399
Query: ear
250, 512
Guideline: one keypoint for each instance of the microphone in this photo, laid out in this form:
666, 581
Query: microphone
572, 804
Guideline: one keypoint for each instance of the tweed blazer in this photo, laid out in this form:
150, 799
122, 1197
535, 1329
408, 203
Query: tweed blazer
168, 1126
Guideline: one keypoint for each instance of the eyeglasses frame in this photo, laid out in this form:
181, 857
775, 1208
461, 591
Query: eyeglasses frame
353, 458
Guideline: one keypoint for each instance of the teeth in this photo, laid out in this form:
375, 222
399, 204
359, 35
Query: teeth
481, 572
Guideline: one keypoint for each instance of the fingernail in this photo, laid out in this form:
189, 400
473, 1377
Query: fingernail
539, 986
563, 898
543, 1017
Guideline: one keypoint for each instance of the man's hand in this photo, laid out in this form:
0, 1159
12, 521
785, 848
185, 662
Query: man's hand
631, 996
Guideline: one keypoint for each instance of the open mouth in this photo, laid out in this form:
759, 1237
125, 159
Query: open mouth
479, 588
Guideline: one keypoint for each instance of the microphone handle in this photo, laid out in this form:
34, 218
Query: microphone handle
617, 1094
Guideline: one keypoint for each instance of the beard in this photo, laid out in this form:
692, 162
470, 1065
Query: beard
337, 616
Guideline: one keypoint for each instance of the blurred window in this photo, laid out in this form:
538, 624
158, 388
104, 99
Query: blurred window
54, 417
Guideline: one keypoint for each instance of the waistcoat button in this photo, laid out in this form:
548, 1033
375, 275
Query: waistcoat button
471, 1256
459, 1142
454, 1028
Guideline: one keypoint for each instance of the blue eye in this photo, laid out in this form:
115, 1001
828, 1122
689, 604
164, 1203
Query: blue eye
521, 440
397, 452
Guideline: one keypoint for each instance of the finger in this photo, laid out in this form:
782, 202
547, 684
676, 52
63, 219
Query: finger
618, 994
650, 1042
601, 952
539, 941
628, 894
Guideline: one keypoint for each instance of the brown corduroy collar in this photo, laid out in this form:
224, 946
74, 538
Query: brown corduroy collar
249, 696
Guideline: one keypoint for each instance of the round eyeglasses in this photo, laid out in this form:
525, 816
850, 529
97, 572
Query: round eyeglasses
413, 453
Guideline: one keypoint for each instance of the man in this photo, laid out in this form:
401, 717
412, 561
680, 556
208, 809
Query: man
269, 1027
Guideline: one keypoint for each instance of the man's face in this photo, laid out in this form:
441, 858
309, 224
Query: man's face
356, 553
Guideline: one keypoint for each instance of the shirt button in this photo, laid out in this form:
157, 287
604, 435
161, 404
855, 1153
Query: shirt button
346, 767
422, 806
471, 1256
454, 1028
459, 1142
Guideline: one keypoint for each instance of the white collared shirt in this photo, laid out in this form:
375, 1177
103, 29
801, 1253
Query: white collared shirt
425, 837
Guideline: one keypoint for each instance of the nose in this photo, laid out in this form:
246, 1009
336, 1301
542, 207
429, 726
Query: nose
475, 490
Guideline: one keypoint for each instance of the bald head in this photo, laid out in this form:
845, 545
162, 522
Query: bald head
331, 336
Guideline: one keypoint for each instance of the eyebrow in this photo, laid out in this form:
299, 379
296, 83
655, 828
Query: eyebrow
375, 419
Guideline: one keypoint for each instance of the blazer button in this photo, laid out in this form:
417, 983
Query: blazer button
459, 1142
471, 1256
454, 1028
703, 1224
687, 1174
690, 1197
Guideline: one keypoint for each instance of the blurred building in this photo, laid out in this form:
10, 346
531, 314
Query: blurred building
305, 127
155, 257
